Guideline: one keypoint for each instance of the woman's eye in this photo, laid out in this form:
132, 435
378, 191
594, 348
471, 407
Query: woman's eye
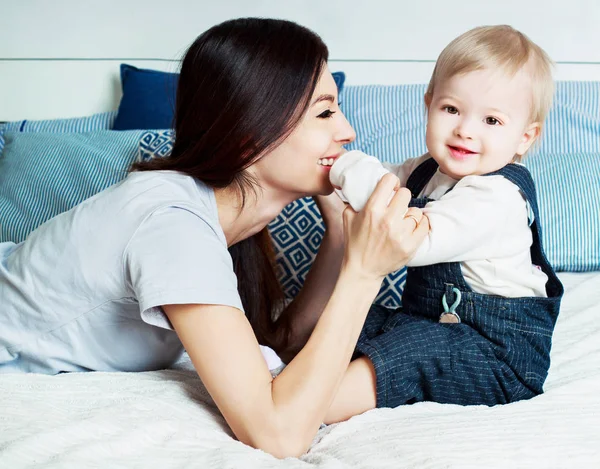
450, 109
492, 121
326, 114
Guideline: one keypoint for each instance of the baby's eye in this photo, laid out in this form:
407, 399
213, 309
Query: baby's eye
450, 109
326, 114
492, 121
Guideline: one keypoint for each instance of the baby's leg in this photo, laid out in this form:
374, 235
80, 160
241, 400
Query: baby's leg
415, 359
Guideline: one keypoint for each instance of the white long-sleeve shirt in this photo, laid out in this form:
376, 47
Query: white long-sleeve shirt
483, 223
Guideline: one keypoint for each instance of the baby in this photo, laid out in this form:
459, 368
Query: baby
482, 264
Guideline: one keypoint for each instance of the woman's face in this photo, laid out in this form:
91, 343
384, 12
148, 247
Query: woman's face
300, 165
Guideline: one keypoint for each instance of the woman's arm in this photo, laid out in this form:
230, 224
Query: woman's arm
282, 415
297, 321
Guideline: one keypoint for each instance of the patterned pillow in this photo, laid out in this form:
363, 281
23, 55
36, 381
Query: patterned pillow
44, 174
101, 121
152, 144
297, 233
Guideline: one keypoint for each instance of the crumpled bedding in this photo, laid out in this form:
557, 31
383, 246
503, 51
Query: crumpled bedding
166, 418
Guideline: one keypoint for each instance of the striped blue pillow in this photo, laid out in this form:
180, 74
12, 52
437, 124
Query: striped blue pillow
43, 174
390, 120
101, 121
568, 187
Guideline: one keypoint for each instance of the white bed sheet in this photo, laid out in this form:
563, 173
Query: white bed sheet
166, 419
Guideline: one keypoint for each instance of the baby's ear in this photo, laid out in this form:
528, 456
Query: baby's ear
532, 132
427, 100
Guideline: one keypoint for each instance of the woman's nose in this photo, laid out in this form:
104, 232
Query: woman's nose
345, 133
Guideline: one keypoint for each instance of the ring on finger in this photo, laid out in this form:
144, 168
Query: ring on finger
414, 218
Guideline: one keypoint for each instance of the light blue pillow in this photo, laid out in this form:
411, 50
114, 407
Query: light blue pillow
43, 174
568, 188
101, 121
390, 121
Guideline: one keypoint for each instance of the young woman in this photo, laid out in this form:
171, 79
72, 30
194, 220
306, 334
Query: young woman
177, 255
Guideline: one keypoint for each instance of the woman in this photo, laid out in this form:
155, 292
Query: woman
103, 286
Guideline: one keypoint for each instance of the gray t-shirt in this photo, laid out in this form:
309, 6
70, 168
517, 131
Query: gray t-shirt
84, 291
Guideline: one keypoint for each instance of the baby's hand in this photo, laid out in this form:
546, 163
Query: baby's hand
357, 174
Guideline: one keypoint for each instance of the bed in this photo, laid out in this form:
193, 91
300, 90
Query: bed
166, 418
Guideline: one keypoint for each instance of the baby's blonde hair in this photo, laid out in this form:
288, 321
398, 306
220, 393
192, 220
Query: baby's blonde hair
503, 48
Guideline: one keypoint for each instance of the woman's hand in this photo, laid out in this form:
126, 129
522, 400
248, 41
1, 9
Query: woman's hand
382, 238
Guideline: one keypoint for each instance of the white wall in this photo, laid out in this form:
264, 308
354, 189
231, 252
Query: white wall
60, 58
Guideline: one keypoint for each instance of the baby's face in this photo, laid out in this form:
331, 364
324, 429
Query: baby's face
479, 122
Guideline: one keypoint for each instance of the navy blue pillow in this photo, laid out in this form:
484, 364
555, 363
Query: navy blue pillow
339, 78
148, 98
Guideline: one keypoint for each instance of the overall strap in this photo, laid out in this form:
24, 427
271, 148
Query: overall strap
419, 178
520, 176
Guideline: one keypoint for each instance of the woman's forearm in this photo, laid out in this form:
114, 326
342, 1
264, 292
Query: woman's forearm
299, 318
303, 392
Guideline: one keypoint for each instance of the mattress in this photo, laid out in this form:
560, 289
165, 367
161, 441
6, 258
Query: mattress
166, 418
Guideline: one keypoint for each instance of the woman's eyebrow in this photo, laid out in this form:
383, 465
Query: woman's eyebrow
324, 97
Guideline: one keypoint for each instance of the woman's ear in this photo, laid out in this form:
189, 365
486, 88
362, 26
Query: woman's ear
532, 132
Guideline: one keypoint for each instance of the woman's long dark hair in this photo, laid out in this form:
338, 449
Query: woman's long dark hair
243, 87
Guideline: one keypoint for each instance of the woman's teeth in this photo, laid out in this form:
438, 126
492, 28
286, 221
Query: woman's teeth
326, 161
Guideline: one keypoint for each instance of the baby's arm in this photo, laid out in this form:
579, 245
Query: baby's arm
481, 218
357, 174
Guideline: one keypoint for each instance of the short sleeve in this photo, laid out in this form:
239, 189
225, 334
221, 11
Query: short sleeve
177, 257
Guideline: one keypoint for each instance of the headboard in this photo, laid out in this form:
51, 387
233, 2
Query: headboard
61, 58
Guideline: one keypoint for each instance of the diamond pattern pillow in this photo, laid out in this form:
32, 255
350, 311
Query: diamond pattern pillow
297, 233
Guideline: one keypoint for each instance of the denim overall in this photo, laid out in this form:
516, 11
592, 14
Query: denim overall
497, 352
